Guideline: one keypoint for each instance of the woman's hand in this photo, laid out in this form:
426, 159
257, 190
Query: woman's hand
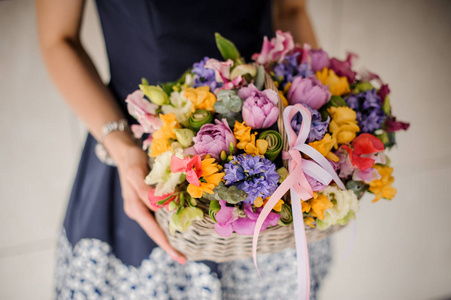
132, 166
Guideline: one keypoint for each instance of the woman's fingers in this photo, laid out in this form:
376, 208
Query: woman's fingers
138, 211
141, 188
151, 227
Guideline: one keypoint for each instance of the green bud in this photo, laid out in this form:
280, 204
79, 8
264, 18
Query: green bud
155, 94
283, 173
243, 69
184, 137
173, 205
363, 86
231, 148
223, 155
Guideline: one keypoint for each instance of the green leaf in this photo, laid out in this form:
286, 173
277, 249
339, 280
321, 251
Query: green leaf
386, 107
363, 86
228, 49
259, 81
162, 202
213, 209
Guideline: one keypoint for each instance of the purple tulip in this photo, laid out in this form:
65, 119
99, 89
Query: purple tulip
259, 108
213, 139
319, 59
308, 91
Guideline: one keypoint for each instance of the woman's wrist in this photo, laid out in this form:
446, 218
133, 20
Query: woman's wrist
119, 144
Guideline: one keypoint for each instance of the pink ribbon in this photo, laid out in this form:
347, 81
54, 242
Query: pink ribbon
319, 168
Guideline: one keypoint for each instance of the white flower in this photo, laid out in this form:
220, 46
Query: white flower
345, 203
180, 106
161, 174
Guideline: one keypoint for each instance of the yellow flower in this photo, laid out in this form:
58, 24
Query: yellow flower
283, 98
260, 202
382, 187
319, 205
209, 180
159, 146
247, 141
160, 142
343, 125
166, 130
309, 221
306, 207
201, 98
242, 134
337, 85
325, 146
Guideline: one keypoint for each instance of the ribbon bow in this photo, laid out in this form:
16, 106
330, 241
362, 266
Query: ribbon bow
319, 168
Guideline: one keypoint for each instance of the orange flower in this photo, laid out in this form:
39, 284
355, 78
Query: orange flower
260, 202
161, 137
209, 180
319, 205
382, 187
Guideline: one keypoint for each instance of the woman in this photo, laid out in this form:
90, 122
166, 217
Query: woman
111, 245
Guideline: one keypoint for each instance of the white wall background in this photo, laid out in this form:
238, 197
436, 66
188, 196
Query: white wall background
403, 247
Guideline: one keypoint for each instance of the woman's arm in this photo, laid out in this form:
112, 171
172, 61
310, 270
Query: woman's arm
291, 15
75, 76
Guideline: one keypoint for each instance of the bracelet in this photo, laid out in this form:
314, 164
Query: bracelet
100, 151
121, 125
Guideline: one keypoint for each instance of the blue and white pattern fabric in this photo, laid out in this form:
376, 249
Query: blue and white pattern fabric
89, 270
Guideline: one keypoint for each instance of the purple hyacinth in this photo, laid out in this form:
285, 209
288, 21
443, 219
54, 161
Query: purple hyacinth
256, 175
205, 76
317, 128
289, 68
368, 107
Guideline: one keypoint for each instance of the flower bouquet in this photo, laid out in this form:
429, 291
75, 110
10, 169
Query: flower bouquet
229, 139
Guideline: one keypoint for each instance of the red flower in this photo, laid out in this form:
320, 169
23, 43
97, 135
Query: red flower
365, 146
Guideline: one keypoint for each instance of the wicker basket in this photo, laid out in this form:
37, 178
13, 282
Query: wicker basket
201, 242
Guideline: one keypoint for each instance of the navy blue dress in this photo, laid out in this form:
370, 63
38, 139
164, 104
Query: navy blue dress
101, 252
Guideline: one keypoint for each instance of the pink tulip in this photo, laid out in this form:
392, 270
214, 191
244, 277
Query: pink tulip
319, 59
308, 91
212, 139
259, 108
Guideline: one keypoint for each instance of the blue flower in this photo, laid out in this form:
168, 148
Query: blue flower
317, 128
204, 76
256, 175
288, 69
368, 107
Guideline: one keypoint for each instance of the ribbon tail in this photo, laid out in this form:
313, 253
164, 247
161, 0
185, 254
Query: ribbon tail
301, 248
322, 161
276, 196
